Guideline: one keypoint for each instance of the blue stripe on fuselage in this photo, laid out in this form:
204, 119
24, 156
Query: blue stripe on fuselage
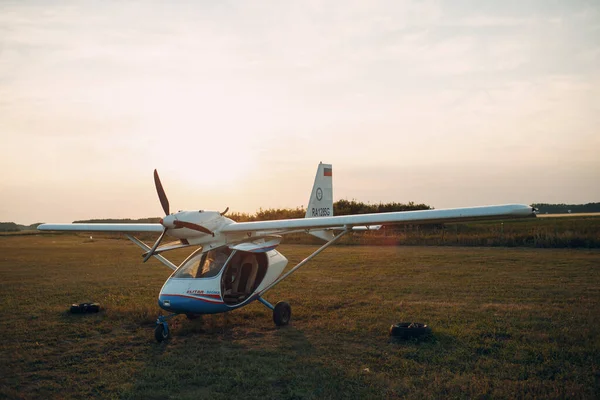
194, 305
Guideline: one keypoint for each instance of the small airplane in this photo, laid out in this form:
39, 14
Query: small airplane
236, 263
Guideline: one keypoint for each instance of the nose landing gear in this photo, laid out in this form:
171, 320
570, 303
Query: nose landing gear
162, 332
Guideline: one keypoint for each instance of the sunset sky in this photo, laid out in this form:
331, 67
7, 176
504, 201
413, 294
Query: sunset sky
449, 103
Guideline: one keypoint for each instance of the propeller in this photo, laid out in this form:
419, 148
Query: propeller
165, 205
161, 193
164, 202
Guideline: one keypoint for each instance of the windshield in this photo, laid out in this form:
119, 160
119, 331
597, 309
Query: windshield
205, 265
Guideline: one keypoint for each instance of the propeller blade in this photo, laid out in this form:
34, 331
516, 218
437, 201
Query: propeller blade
151, 252
225, 212
190, 225
161, 193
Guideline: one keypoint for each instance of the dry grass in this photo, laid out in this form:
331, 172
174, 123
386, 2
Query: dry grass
576, 215
506, 323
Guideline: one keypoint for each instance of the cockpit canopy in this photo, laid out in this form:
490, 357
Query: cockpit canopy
241, 272
204, 265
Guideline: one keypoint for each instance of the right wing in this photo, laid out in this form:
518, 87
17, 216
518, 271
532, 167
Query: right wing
157, 228
283, 226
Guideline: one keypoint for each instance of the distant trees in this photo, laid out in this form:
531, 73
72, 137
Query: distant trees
340, 207
349, 207
13, 227
572, 232
9, 227
268, 214
544, 208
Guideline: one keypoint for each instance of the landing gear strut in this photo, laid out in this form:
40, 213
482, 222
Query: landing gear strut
282, 312
162, 332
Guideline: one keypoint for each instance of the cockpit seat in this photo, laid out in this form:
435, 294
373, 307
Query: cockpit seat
247, 276
240, 279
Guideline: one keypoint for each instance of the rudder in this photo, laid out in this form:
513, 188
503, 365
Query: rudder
320, 203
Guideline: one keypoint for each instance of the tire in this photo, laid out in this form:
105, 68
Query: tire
407, 330
160, 333
92, 307
282, 313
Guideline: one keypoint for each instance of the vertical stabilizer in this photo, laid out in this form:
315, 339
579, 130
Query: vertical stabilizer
320, 203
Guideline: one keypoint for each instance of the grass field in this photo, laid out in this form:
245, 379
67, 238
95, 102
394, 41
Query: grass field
570, 215
507, 323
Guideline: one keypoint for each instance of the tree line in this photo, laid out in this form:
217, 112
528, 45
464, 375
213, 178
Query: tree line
13, 227
340, 207
545, 208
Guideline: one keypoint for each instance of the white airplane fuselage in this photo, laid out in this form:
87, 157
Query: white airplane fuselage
235, 284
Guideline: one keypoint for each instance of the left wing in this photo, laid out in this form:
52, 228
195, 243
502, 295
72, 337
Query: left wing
508, 211
158, 228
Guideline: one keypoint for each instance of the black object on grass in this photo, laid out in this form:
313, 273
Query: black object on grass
407, 330
85, 308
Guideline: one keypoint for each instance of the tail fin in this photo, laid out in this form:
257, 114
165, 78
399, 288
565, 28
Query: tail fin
320, 203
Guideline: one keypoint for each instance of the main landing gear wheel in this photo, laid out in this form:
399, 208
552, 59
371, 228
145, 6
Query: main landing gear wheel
282, 313
161, 332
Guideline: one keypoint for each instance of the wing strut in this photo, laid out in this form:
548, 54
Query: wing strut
307, 259
145, 247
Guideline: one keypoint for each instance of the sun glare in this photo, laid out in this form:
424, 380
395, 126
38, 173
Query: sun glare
214, 166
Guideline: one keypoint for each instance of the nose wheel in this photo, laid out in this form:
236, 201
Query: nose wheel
162, 332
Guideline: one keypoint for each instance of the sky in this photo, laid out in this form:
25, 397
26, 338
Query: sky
449, 103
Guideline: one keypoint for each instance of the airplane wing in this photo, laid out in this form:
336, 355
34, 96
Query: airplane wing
508, 211
158, 228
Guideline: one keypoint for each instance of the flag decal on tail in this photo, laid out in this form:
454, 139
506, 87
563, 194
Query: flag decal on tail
326, 171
